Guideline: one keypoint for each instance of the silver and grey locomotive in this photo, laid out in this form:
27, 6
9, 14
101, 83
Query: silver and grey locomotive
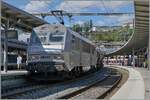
55, 48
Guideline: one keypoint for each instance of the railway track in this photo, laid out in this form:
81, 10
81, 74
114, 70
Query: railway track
68, 89
21, 84
97, 90
9, 87
101, 89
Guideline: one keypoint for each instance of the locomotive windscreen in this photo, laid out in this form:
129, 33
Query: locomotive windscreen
56, 37
50, 34
51, 37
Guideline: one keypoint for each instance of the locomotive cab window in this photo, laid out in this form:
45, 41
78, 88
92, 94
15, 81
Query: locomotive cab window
56, 37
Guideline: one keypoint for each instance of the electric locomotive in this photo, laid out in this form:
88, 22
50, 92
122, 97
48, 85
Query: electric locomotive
53, 48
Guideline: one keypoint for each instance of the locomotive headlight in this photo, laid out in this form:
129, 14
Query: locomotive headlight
34, 57
58, 57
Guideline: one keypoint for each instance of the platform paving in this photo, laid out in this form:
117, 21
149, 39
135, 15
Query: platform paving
13, 72
146, 76
133, 88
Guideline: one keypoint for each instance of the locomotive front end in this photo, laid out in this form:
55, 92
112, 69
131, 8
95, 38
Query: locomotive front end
45, 50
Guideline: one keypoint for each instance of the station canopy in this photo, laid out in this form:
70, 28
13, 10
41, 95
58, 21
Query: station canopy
19, 18
140, 37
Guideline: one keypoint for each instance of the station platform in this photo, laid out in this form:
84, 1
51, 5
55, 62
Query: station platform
14, 72
146, 76
136, 85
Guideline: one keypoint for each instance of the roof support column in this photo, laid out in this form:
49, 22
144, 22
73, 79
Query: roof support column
116, 60
148, 55
5, 61
133, 58
123, 60
107, 60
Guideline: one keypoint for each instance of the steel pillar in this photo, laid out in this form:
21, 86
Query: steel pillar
133, 58
6, 46
129, 60
107, 60
116, 60
123, 60
138, 60
148, 55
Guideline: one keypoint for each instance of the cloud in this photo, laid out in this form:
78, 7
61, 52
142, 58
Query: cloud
78, 6
119, 20
79, 22
37, 6
114, 20
100, 23
125, 19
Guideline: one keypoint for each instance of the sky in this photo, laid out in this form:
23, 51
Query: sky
99, 6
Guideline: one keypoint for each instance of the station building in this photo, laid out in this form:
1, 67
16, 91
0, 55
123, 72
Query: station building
14, 24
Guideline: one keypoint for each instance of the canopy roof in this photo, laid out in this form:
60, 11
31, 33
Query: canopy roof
19, 18
140, 37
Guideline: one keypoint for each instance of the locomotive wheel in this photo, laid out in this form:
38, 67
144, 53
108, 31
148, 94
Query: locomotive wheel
80, 69
72, 73
31, 72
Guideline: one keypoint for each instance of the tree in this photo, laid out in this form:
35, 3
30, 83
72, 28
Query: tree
77, 28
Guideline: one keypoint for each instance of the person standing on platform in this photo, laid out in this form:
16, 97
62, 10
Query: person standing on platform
19, 61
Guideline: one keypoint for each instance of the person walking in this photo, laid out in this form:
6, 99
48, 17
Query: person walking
19, 61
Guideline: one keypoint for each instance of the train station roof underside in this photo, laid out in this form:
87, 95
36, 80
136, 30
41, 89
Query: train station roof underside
19, 18
140, 37
14, 44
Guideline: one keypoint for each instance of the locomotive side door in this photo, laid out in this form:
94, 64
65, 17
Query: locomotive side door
80, 46
91, 55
